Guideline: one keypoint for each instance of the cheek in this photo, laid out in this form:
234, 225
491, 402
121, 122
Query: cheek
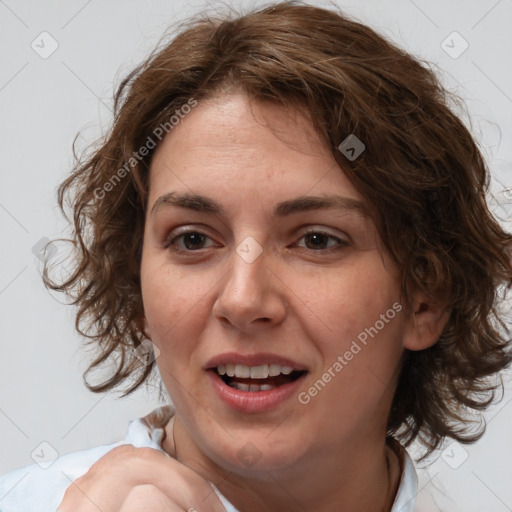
172, 306
168, 298
361, 351
353, 298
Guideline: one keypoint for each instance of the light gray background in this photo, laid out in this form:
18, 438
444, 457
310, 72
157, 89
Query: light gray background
45, 102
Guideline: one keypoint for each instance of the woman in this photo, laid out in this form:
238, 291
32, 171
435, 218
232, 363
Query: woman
289, 214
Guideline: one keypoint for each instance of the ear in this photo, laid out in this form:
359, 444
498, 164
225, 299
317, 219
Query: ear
143, 326
425, 324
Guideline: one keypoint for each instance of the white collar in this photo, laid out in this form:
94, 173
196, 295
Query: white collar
408, 488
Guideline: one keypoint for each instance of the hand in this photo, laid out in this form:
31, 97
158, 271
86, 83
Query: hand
129, 479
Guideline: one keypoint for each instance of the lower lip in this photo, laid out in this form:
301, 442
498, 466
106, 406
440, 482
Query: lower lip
253, 401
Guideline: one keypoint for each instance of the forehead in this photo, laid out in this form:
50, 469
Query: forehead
232, 146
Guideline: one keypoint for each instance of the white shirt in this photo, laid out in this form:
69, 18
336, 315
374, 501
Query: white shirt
32, 488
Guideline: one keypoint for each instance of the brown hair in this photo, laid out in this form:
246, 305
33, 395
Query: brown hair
421, 171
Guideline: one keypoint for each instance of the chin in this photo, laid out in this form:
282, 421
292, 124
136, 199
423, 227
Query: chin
256, 456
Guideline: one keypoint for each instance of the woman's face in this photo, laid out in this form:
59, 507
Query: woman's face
253, 272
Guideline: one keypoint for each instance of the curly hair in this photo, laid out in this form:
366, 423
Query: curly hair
421, 171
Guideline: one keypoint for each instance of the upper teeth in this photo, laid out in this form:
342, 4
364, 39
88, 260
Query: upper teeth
254, 372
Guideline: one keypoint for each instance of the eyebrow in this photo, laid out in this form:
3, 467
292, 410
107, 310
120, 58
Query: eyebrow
204, 204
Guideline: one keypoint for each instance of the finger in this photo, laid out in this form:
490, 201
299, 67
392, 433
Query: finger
154, 467
148, 498
113, 477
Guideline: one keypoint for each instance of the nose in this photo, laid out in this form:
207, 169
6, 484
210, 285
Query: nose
251, 295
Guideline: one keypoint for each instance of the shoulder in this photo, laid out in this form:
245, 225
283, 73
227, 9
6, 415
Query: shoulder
418, 490
38, 489
41, 489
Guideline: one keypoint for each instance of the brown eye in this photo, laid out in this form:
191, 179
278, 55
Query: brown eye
191, 241
319, 239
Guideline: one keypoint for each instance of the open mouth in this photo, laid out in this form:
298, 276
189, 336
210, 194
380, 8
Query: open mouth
257, 378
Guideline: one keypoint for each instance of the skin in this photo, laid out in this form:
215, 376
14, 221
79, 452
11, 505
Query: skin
303, 297
129, 479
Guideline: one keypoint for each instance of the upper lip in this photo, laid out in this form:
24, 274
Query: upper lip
252, 360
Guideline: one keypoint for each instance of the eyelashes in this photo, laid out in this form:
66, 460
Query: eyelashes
197, 234
197, 238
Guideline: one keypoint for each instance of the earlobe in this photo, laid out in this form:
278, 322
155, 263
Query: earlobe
143, 327
425, 325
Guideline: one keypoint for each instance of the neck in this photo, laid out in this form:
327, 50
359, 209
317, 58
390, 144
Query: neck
362, 478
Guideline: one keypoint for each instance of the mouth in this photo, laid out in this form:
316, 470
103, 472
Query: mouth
259, 378
255, 383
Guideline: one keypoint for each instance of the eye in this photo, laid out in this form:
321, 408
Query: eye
320, 238
192, 241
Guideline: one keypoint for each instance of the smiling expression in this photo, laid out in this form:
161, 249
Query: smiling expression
258, 255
